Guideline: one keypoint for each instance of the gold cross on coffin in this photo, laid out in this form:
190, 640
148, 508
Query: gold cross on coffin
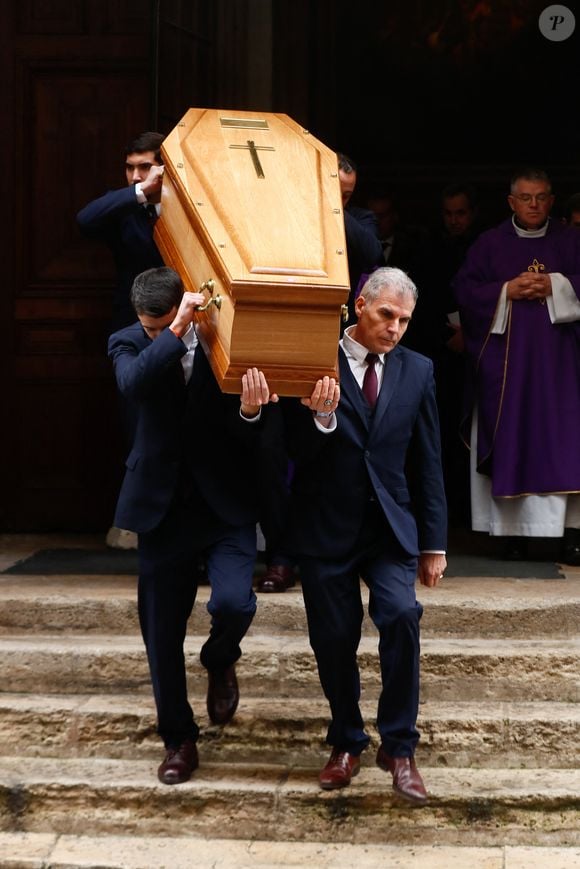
253, 149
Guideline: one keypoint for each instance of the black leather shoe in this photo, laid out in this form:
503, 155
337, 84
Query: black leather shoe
179, 764
407, 781
571, 547
278, 578
223, 695
571, 555
340, 769
201, 576
515, 549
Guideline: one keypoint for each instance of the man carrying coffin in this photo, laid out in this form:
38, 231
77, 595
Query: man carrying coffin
368, 502
189, 490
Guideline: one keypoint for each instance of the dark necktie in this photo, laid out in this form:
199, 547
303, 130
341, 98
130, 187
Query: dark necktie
151, 213
370, 382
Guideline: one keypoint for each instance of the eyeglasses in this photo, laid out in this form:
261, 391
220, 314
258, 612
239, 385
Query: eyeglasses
529, 197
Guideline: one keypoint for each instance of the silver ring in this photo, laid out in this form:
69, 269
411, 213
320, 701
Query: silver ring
328, 402
440, 576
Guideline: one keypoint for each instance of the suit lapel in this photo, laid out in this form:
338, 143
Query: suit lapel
352, 390
391, 377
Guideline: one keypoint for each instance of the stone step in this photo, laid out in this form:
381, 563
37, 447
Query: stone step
461, 734
40, 850
283, 666
458, 608
275, 802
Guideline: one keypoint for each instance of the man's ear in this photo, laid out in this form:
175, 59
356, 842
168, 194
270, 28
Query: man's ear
359, 304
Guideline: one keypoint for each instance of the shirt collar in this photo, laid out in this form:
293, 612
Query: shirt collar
530, 233
356, 350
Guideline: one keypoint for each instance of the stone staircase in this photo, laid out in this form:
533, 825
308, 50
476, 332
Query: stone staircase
500, 724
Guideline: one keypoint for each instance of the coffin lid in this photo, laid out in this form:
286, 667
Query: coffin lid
263, 197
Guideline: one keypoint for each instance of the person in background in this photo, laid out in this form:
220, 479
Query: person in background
400, 241
518, 292
123, 220
571, 216
274, 482
436, 331
363, 246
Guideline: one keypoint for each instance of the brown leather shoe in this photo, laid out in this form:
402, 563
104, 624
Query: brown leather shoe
407, 781
278, 578
223, 695
179, 764
339, 770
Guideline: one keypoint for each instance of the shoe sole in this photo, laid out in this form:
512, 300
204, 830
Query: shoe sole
414, 801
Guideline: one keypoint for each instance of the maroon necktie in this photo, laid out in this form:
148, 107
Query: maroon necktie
370, 382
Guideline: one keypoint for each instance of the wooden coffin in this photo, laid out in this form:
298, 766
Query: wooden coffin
251, 211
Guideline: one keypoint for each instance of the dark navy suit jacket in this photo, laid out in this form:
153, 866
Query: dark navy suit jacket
392, 455
121, 222
188, 438
363, 248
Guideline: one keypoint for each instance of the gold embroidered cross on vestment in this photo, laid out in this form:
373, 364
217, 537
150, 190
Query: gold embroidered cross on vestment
537, 267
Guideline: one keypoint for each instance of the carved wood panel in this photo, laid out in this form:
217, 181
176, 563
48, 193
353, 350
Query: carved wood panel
81, 84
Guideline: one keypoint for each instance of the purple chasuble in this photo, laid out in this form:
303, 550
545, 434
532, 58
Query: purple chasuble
527, 381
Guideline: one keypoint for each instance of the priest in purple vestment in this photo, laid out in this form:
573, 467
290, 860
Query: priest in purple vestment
518, 294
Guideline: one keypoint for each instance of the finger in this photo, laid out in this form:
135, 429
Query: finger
325, 387
254, 386
263, 386
315, 397
259, 391
326, 394
330, 402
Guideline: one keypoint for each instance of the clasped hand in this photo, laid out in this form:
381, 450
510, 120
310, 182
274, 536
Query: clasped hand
529, 285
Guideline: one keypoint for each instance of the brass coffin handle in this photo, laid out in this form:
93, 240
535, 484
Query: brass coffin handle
213, 300
344, 313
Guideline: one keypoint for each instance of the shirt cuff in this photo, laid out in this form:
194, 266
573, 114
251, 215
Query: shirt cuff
251, 419
326, 429
563, 304
141, 198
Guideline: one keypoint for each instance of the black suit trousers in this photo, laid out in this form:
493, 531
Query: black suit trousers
168, 559
332, 596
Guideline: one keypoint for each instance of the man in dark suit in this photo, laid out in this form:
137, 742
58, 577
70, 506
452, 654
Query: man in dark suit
124, 221
368, 502
189, 488
363, 246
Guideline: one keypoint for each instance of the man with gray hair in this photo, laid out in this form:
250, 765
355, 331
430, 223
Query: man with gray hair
368, 502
